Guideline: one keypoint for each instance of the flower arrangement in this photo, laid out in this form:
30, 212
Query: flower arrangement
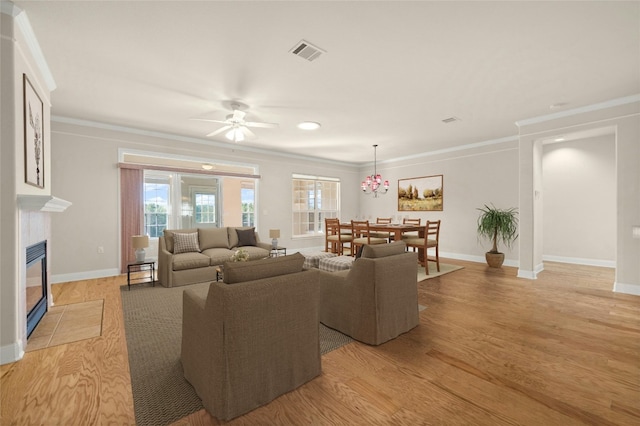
241, 255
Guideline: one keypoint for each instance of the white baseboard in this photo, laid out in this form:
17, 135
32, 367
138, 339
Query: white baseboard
626, 288
477, 259
11, 353
86, 275
530, 275
580, 261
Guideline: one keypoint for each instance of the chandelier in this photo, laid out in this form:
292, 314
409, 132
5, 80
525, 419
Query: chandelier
373, 184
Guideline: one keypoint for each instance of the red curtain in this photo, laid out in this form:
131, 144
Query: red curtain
131, 186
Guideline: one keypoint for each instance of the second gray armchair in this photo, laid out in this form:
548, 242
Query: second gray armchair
377, 299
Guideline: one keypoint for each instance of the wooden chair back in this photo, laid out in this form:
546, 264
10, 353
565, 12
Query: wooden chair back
383, 220
360, 228
410, 221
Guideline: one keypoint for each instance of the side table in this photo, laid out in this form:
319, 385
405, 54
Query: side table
148, 268
278, 251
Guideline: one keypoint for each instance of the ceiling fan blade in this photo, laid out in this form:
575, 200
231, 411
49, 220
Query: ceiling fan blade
259, 124
248, 133
220, 130
209, 120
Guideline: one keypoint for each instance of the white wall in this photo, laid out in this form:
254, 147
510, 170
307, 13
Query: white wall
579, 198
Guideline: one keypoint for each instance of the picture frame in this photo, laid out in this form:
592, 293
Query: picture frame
34, 143
421, 193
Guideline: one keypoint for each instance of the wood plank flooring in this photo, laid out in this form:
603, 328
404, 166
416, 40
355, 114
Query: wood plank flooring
491, 349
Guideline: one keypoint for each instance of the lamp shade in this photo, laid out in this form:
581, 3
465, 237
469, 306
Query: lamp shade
140, 241
274, 233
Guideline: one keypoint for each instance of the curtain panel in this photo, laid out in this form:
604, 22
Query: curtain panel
131, 187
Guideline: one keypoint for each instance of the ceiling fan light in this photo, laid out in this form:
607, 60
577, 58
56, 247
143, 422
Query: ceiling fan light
235, 135
308, 125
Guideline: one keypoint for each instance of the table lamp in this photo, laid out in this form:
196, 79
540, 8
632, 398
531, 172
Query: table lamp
274, 234
140, 242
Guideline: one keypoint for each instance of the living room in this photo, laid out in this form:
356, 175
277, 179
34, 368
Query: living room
82, 156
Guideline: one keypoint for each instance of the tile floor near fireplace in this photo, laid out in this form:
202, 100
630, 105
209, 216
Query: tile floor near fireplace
67, 323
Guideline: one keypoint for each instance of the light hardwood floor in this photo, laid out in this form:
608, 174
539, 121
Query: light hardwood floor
491, 349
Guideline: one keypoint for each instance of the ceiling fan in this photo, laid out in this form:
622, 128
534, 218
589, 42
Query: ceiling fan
236, 128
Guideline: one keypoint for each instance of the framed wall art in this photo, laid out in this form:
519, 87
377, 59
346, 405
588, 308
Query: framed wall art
34, 147
420, 194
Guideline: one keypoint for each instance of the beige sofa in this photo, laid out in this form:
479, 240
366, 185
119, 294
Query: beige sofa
191, 262
377, 299
253, 338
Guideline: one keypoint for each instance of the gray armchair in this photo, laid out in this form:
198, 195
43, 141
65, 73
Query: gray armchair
377, 299
252, 338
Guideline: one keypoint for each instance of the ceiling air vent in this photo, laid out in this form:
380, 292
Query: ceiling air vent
450, 120
306, 50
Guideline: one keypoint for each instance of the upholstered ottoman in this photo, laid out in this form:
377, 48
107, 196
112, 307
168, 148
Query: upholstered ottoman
312, 258
337, 263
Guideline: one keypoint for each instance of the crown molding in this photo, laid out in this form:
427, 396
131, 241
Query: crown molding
22, 20
174, 137
589, 108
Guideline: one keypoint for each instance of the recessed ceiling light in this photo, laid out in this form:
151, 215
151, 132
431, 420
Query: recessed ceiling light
207, 166
557, 105
308, 125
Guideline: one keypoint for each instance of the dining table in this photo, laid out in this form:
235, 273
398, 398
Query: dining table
395, 229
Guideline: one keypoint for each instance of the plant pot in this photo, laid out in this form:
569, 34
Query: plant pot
494, 260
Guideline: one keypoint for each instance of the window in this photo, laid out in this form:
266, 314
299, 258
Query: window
205, 207
314, 199
156, 203
200, 201
248, 197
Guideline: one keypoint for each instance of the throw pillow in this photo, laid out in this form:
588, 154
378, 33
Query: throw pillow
185, 243
213, 238
246, 237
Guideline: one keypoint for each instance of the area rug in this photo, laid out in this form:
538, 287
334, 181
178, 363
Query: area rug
153, 327
433, 273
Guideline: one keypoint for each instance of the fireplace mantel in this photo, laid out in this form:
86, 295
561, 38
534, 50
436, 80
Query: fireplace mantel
43, 203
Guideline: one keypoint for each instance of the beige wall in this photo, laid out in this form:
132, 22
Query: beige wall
472, 177
17, 229
85, 172
579, 201
624, 118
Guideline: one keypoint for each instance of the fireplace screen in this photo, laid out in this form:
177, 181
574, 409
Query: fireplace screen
36, 284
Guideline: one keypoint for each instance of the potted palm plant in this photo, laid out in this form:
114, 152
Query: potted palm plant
497, 225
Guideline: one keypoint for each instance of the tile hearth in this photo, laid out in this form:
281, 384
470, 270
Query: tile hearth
66, 324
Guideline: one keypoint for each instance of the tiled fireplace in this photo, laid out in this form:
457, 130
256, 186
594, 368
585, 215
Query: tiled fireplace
36, 250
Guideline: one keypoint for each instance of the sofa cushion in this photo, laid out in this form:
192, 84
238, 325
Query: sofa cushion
246, 237
218, 256
383, 250
213, 238
168, 236
184, 261
256, 252
233, 235
236, 272
185, 243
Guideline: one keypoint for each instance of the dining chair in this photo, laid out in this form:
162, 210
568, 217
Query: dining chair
430, 241
412, 234
361, 235
379, 234
334, 239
